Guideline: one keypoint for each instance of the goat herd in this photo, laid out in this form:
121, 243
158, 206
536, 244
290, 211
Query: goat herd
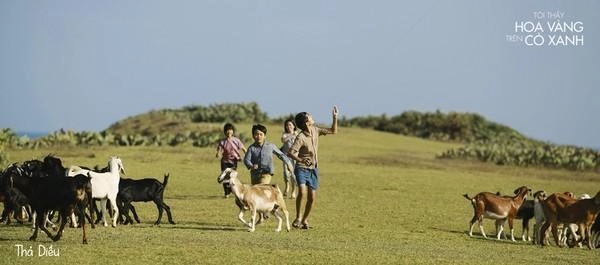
573, 221
42, 188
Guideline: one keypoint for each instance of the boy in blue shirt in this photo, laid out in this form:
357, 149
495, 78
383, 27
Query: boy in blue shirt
259, 157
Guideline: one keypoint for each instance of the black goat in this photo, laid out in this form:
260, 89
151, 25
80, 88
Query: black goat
596, 232
47, 190
63, 194
142, 190
15, 202
13, 199
526, 213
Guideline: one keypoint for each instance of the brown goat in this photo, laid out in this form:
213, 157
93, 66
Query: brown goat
492, 206
560, 208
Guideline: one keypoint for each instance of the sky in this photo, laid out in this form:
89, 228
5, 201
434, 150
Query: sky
83, 65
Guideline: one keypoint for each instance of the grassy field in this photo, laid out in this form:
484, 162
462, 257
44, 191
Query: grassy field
384, 199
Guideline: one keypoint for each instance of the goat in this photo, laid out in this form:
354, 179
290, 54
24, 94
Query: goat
94, 206
62, 194
105, 185
596, 232
538, 197
47, 191
257, 198
14, 201
16, 183
143, 190
17, 203
559, 208
525, 213
567, 233
492, 206
540, 218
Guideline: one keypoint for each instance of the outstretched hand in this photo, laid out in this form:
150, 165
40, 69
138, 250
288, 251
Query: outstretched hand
335, 111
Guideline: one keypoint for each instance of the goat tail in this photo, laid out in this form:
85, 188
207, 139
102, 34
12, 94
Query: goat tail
165, 180
468, 198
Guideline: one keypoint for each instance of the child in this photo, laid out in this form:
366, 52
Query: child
259, 158
230, 148
288, 137
304, 152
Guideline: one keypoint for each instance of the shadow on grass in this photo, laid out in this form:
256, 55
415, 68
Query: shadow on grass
448, 230
194, 197
490, 238
190, 226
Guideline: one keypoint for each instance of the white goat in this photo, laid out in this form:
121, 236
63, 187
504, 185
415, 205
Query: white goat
105, 186
259, 198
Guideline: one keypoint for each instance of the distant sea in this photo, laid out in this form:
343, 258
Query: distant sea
33, 135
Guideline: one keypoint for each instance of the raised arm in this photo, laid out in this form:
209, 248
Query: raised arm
334, 124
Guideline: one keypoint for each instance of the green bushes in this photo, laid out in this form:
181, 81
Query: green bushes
453, 126
522, 154
227, 112
85, 138
484, 140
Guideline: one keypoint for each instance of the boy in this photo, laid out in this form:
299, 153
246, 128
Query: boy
304, 152
259, 157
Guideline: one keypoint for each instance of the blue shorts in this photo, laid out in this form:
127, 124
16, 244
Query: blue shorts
307, 176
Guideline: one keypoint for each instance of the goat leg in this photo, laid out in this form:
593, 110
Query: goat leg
241, 218
63, 223
82, 212
481, 227
499, 229
38, 221
135, 215
525, 234
512, 229
279, 219
159, 207
5, 214
125, 212
168, 210
113, 203
253, 221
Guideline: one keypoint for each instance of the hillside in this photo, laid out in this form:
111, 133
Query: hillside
200, 126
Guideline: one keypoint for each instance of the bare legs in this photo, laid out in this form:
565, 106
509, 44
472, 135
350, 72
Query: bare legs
310, 194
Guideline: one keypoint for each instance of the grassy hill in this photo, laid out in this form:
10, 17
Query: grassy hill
482, 140
384, 199
189, 118
200, 126
160, 122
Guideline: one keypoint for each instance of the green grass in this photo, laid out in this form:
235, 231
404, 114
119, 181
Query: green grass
384, 199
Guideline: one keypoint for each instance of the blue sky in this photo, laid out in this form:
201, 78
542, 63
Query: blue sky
84, 65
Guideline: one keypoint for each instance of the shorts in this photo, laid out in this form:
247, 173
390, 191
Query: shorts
307, 176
